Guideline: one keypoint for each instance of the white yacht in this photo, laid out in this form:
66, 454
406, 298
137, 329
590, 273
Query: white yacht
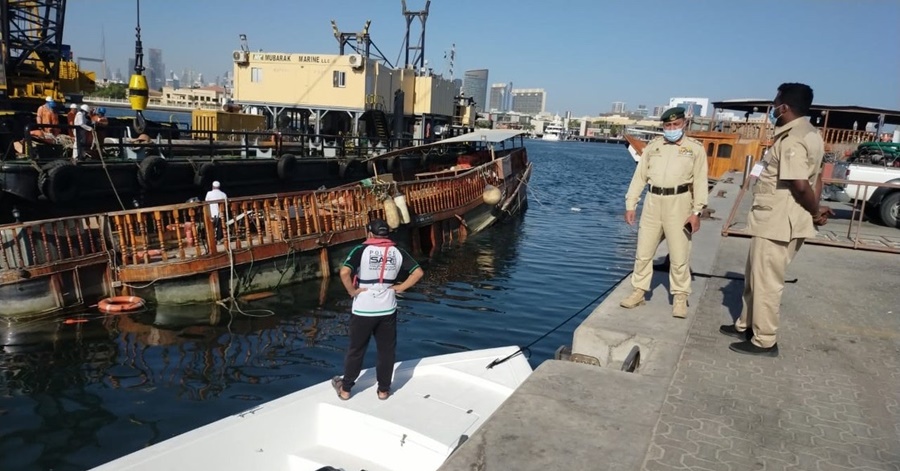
553, 132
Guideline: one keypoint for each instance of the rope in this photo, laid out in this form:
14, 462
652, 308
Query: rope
234, 303
526, 349
96, 144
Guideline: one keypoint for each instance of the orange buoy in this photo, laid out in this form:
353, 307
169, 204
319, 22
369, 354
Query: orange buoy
120, 304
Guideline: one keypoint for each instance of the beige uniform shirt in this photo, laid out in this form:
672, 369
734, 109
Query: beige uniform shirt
796, 154
667, 165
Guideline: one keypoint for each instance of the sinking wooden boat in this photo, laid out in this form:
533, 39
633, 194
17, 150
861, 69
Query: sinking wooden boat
437, 403
181, 254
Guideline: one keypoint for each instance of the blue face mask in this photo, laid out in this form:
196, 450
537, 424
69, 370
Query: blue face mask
673, 135
772, 118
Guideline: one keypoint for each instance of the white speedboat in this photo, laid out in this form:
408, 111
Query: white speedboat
437, 403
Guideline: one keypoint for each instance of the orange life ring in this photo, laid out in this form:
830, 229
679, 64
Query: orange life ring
120, 304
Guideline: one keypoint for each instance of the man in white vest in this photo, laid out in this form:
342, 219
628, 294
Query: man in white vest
370, 276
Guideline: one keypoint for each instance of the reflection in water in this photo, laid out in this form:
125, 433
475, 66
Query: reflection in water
73, 396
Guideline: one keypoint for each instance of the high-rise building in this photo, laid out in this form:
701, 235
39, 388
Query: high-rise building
156, 70
658, 110
500, 96
642, 110
618, 107
475, 86
693, 106
529, 100
457, 86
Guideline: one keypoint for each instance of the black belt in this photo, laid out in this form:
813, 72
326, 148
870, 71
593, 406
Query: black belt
670, 191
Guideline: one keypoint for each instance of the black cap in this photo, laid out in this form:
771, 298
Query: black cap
672, 114
379, 227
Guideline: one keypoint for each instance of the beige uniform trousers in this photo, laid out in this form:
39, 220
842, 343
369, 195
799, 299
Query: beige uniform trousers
763, 285
664, 215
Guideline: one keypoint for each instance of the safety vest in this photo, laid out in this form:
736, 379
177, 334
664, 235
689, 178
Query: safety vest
378, 268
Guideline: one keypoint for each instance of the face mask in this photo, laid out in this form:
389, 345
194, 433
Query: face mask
772, 118
673, 135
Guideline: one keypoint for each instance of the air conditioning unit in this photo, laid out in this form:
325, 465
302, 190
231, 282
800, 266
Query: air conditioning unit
356, 61
241, 57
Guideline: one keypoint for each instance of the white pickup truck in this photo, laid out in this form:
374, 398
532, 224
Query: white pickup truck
874, 163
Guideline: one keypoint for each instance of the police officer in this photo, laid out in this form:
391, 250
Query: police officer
675, 168
785, 211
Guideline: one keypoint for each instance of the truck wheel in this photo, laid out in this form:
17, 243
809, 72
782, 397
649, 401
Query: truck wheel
890, 207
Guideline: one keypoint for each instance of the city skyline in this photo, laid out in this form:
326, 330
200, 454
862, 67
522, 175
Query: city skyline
715, 63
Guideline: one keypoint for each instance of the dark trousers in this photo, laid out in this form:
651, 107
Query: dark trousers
362, 328
217, 224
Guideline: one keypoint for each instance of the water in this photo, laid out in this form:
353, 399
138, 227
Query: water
75, 396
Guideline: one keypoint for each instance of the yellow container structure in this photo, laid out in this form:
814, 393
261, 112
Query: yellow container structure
224, 122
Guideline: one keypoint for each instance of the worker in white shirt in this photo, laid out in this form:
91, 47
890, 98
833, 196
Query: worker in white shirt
216, 195
83, 128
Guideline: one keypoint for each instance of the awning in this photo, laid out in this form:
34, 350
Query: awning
484, 135
492, 136
839, 116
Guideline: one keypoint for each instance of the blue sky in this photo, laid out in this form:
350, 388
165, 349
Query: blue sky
585, 53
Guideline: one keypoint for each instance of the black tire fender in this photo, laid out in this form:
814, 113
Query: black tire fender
205, 175
287, 166
151, 172
58, 181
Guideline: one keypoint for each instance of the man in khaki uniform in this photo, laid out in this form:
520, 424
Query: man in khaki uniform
675, 168
785, 211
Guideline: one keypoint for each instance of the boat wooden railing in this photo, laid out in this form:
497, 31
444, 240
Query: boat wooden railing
451, 192
187, 232
845, 136
46, 245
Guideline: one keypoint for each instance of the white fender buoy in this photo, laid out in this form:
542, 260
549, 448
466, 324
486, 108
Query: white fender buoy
400, 201
391, 215
492, 195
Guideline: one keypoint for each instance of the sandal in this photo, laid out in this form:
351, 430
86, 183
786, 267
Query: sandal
338, 384
383, 395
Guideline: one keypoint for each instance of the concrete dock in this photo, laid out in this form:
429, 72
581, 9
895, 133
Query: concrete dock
830, 401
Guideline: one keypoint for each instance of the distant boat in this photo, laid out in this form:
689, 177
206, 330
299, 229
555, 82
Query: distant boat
553, 132
438, 403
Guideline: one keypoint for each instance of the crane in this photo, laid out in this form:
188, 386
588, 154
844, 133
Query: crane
31, 50
34, 62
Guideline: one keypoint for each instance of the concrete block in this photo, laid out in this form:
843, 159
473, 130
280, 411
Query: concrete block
567, 416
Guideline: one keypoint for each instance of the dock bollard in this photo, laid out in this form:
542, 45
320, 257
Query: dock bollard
748, 160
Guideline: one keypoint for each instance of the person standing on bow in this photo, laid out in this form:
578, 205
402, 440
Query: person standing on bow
674, 166
785, 211
377, 265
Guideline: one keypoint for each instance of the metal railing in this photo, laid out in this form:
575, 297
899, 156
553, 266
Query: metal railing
843, 230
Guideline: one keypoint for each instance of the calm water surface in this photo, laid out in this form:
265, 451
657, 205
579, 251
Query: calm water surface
73, 396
